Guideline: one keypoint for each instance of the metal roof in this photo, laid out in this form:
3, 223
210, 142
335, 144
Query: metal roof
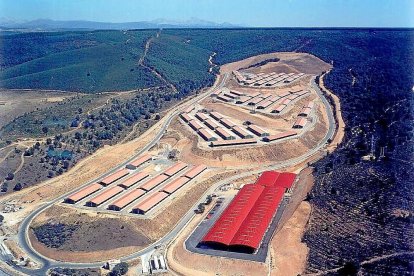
233, 142
127, 198
141, 160
133, 179
254, 227
246, 219
175, 184
280, 135
150, 202
267, 178
194, 171
105, 195
227, 225
175, 168
152, 183
114, 177
84, 192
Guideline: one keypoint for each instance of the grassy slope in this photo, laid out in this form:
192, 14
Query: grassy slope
179, 61
110, 65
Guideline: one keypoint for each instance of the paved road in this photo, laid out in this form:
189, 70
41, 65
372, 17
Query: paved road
48, 263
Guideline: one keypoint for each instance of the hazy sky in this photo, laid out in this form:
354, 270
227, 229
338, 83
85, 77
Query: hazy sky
260, 13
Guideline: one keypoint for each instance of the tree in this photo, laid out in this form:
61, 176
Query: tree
18, 187
1, 218
10, 176
349, 269
119, 269
45, 129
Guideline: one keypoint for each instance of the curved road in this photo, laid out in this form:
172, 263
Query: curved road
46, 263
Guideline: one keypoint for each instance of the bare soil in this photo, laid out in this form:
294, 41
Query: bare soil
18, 102
301, 62
288, 253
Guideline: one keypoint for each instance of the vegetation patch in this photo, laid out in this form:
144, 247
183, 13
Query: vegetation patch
54, 235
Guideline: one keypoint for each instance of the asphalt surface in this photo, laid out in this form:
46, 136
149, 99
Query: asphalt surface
47, 263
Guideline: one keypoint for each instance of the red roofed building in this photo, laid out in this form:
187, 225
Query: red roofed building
244, 223
226, 227
267, 178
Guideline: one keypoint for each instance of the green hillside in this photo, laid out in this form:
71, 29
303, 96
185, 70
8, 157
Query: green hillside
111, 64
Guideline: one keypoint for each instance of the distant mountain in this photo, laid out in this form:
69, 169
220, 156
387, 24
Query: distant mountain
48, 24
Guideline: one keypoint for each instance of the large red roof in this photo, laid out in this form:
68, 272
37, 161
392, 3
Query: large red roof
268, 178
254, 227
246, 219
285, 180
226, 227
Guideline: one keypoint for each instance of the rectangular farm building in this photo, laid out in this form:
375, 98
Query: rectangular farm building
201, 116
194, 171
195, 125
236, 142
227, 123
114, 177
207, 135
126, 199
258, 131
175, 168
104, 196
139, 161
217, 116
186, 118
149, 203
224, 134
279, 136
211, 124
243, 99
175, 184
279, 108
81, 194
133, 179
242, 133
300, 123
154, 182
